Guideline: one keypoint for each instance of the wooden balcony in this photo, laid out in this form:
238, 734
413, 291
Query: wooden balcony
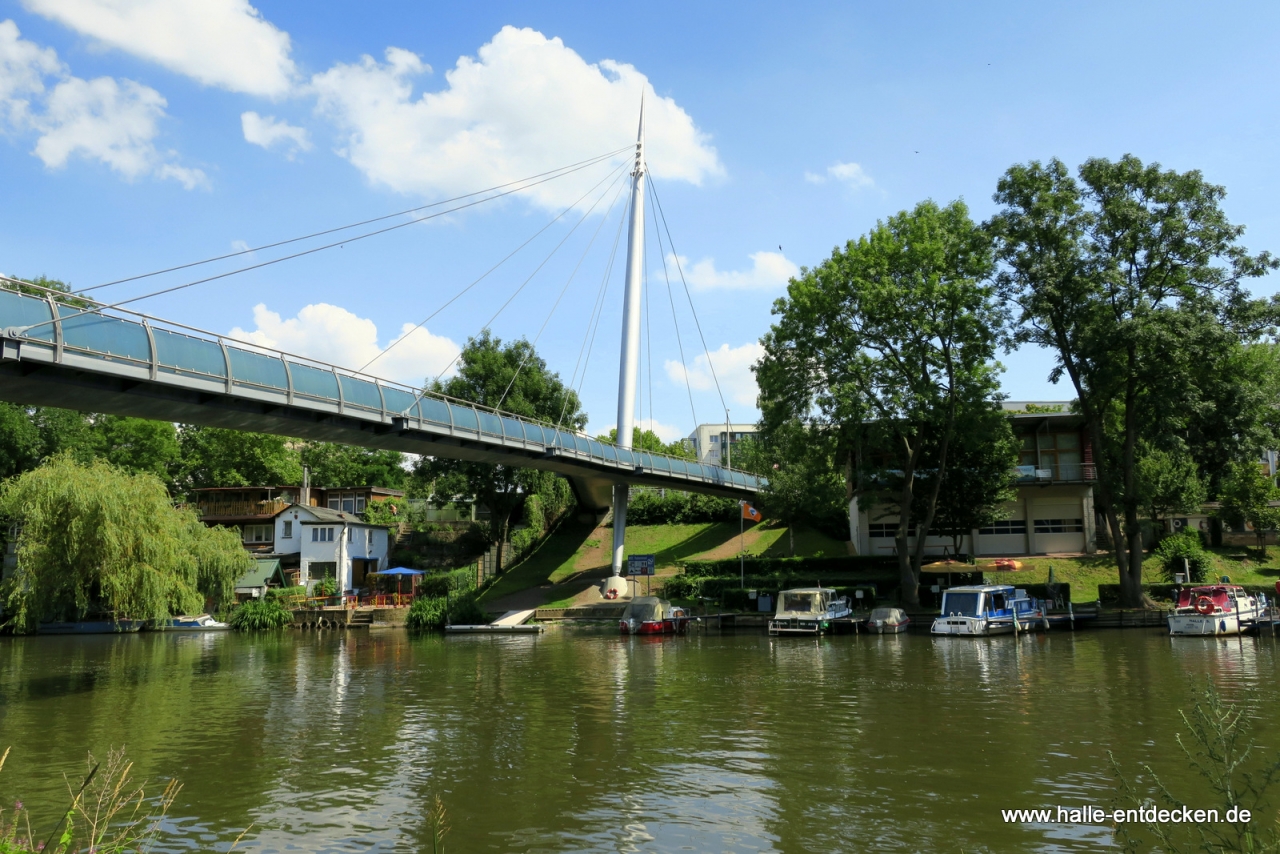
239, 509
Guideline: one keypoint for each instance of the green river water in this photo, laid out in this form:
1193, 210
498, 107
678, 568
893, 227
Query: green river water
580, 740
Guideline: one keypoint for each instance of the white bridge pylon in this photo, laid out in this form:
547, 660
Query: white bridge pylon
629, 363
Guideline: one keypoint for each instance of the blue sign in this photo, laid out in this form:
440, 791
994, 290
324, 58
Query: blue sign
641, 565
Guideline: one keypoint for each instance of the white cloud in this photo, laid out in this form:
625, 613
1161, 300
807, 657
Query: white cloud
223, 43
267, 131
523, 105
850, 174
23, 67
732, 367
239, 246
110, 121
332, 334
768, 270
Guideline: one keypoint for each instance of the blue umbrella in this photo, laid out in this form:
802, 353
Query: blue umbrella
400, 572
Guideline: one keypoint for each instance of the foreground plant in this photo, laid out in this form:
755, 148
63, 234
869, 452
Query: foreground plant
260, 615
1218, 749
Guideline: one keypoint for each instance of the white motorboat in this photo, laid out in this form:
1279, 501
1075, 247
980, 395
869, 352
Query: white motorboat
888, 621
1216, 609
988, 609
198, 623
808, 611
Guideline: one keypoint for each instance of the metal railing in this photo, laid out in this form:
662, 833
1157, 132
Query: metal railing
208, 509
1061, 473
144, 347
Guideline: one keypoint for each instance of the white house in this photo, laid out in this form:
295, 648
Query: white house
710, 441
331, 544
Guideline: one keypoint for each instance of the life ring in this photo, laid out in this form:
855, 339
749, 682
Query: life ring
1204, 605
611, 593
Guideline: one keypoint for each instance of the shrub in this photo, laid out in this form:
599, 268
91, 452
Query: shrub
429, 613
261, 614
326, 587
1185, 545
654, 507
444, 583
789, 565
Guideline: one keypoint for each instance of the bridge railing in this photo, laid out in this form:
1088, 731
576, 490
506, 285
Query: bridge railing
75, 329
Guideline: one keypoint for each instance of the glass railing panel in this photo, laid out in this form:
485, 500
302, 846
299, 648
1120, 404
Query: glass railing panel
661, 463
595, 448
360, 393
645, 459
538, 433
435, 410
398, 400
23, 310
257, 369
464, 418
581, 444
627, 457
513, 428
610, 452
188, 354
490, 423
678, 466
103, 335
314, 382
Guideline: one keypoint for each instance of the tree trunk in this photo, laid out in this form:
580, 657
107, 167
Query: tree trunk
791, 537
907, 578
502, 539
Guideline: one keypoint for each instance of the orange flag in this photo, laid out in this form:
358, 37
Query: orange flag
750, 513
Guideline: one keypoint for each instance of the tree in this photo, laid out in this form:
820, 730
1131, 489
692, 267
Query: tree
20, 441
213, 456
882, 346
979, 477
1168, 483
514, 378
333, 464
138, 445
96, 539
647, 440
1247, 496
1132, 276
804, 484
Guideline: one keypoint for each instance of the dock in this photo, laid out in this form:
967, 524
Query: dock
510, 623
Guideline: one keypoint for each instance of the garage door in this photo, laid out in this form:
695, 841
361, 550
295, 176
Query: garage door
1058, 527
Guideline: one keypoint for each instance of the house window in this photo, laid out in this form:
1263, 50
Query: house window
1058, 452
368, 537
348, 503
360, 504
350, 534
287, 533
257, 533
322, 535
1059, 526
1004, 526
715, 440
335, 503
887, 530
322, 569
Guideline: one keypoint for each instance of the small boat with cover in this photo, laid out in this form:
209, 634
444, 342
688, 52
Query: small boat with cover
649, 615
809, 611
199, 623
988, 609
888, 621
1216, 609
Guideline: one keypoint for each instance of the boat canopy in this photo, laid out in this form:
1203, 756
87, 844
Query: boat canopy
803, 601
888, 615
646, 609
1188, 598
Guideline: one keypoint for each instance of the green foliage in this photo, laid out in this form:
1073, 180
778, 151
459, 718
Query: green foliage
261, 614
1134, 279
447, 583
97, 539
1167, 483
387, 512
979, 477
435, 612
1188, 546
881, 346
514, 378
333, 464
671, 507
1218, 746
805, 484
647, 440
816, 566
138, 445
1247, 494
325, 587
215, 457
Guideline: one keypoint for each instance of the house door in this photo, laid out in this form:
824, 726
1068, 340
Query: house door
359, 569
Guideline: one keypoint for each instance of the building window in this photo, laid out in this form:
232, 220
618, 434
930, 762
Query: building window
1059, 526
887, 530
348, 503
1058, 452
322, 535
257, 533
1004, 526
715, 440
350, 534
335, 503
287, 533
368, 537
360, 503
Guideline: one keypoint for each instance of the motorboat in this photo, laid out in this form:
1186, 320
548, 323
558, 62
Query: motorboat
198, 623
1216, 609
809, 611
888, 621
89, 627
649, 615
988, 609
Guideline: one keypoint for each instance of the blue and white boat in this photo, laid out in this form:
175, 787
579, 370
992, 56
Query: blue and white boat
89, 627
199, 623
989, 609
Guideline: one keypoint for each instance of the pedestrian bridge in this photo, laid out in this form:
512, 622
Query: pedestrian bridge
70, 352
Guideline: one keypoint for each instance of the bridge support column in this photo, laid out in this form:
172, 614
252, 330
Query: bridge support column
619, 526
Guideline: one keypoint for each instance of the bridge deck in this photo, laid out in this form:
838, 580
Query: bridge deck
149, 368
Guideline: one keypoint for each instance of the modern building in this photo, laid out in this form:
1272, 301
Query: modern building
711, 441
1053, 512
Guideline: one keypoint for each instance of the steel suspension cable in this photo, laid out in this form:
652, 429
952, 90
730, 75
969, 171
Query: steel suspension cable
684, 366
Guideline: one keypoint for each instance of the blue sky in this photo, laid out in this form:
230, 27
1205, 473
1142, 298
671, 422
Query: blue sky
137, 134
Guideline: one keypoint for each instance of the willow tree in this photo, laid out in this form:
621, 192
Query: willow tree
1133, 278
884, 346
94, 539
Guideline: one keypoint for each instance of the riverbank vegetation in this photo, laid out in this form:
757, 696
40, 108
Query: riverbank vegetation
94, 539
260, 615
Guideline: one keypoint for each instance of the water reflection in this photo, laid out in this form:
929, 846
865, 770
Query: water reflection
589, 741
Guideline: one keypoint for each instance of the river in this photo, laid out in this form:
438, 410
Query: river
579, 740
